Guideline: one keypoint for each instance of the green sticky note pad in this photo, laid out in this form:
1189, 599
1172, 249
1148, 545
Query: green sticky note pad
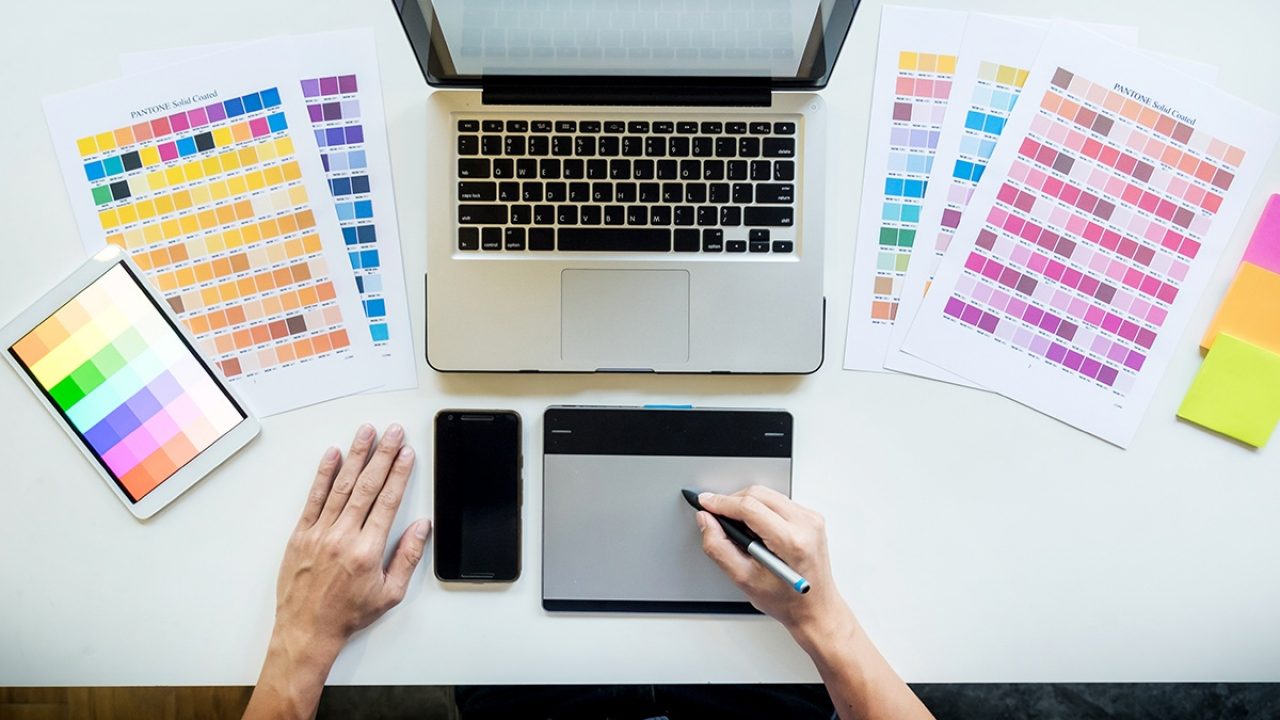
1236, 392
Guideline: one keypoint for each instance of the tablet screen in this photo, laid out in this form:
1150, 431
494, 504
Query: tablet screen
126, 381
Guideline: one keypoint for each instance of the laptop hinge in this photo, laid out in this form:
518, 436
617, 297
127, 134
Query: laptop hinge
653, 91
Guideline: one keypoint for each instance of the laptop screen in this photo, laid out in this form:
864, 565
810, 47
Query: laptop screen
791, 43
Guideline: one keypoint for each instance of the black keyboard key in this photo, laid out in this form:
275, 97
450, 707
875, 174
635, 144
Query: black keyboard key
544, 215
695, 193
504, 168
687, 128
779, 147
718, 193
491, 238
784, 128
736, 246
469, 126
591, 214
773, 194
737, 170
712, 240
614, 215
597, 169
549, 169
509, 192
542, 239
615, 240
567, 214
615, 126
638, 126
678, 147
768, 216
713, 170
512, 145
784, 170
492, 125
664, 128
481, 191
642, 170
758, 247
782, 246
637, 215
531, 192
482, 215
473, 168
521, 214
468, 145
574, 169
690, 169
468, 238
562, 146
620, 170
491, 145
660, 215
672, 193
649, 192
760, 170
684, 215
602, 192
632, 146
513, 238
703, 147
708, 215
758, 235
735, 128
526, 168
579, 192
517, 126
749, 147
624, 192
760, 128
686, 240
667, 169
655, 147
609, 146
557, 192
730, 216
539, 146
540, 126
566, 126
584, 145
712, 128
589, 126
742, 194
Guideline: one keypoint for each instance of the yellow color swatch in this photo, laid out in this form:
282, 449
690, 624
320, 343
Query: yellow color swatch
1236, 392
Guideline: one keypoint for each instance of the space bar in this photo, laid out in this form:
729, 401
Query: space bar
615, 239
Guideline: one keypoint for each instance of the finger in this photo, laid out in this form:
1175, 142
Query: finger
408, 553
357, 456
735, 563
329, 464
784, 506
766, 523
373, 477
384, 508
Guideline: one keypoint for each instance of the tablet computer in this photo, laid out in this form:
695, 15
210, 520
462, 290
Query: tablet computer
617, 535
121, 375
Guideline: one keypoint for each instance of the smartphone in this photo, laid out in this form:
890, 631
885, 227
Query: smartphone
478, 467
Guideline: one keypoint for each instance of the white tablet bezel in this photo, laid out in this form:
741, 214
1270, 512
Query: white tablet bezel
187, 475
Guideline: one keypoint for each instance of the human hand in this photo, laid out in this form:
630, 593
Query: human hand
332, 581
794, 533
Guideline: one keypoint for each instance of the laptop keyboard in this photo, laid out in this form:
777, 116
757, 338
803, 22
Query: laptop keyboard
641, 186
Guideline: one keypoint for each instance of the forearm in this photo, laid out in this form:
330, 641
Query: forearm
293, 676
860, 681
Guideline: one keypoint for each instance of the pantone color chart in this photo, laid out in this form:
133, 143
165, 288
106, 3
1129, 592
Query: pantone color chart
914, 70
215, 200
343, 100
124, 379
1082, 244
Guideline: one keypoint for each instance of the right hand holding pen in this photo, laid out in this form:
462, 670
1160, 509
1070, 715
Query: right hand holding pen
794, 533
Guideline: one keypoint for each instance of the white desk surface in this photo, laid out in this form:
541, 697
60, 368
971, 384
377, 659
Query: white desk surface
966, 565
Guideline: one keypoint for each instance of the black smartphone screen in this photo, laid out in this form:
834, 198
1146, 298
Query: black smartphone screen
477, 495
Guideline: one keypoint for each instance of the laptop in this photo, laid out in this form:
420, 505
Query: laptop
626, 185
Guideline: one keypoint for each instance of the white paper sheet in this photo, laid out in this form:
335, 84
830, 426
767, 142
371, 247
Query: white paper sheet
199, 170
915, 62
1071, 279
372, 243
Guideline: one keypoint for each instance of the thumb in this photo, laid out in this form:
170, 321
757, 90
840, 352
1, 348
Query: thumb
408, 553
735, 563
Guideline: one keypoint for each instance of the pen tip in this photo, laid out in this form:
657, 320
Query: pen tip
691, 497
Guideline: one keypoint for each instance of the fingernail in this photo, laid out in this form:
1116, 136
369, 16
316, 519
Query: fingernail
406, 454
703, 497
702, 521
365, 433
395, 432
421, 528
331, 455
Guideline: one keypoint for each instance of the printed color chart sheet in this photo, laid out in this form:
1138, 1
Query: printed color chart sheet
1103, 212
915, 63
198, 172
343, 94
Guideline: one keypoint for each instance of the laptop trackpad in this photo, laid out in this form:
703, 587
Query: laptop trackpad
624, 319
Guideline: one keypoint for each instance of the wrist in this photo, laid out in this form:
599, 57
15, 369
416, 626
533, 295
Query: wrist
304, 652
828, 628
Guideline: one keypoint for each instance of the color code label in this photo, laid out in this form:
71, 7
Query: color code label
128, 384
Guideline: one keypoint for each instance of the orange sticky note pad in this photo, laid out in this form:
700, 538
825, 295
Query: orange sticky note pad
1251, 310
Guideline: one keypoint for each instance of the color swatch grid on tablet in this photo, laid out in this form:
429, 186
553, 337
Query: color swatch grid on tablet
921, 90
993, 99
124, 379
1092, 233
210, 203
334, 106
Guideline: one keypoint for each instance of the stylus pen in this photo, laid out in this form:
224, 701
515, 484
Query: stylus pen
742, 536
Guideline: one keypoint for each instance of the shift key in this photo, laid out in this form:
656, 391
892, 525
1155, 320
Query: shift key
768, 216
483, 214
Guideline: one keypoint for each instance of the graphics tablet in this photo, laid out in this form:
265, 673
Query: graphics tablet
617, 534
121, 376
